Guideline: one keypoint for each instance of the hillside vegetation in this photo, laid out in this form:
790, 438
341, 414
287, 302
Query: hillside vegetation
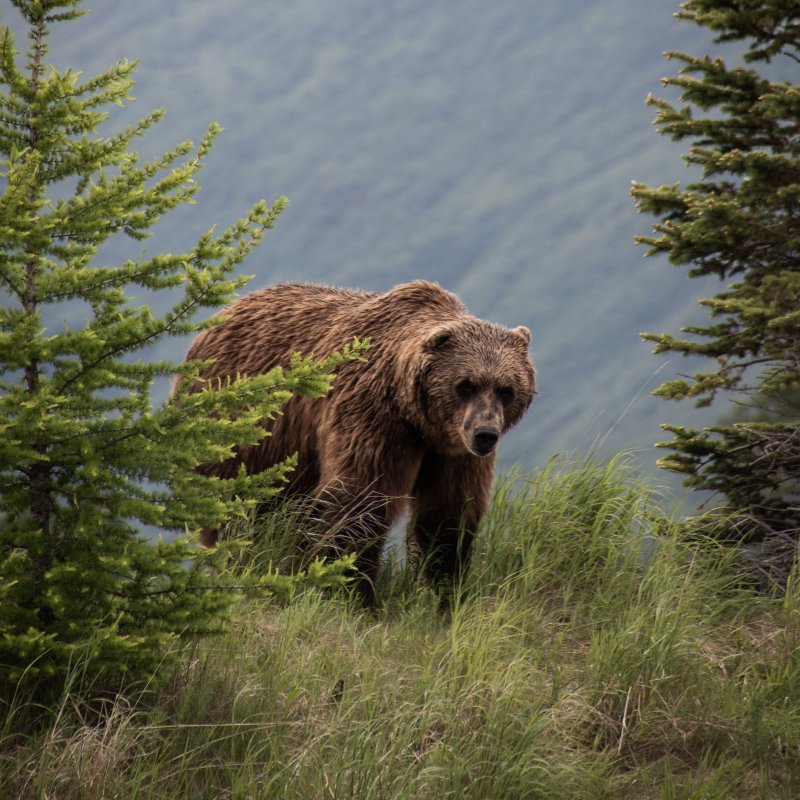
596, 654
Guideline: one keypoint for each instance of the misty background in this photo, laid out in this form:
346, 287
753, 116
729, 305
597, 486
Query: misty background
487, 146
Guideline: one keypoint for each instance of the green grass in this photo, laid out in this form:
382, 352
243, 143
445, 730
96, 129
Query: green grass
596, 655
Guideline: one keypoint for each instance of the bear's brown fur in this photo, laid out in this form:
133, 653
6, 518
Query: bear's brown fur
417, 423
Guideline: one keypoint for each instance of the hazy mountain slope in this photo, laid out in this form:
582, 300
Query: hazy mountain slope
488, 146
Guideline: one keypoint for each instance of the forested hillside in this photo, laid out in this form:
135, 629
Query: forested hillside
489, 147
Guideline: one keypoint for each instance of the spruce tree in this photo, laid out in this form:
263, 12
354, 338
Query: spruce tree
740, 222
86, 458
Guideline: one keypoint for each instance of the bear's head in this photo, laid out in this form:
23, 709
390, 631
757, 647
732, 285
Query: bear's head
476, 380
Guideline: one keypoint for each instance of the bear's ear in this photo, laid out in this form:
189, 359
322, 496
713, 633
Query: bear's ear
523, 333
438, 338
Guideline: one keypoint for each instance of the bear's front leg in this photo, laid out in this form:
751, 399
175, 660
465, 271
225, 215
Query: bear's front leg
360, 494
353, 520
449, 499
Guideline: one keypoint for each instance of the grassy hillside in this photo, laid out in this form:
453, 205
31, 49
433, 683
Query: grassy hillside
597, 655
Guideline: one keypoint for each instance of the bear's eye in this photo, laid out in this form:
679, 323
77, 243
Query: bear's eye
505, 394
466, 389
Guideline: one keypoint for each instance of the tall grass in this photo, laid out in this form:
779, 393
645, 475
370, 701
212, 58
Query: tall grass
595, 654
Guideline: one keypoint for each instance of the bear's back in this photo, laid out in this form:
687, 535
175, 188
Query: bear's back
266, 327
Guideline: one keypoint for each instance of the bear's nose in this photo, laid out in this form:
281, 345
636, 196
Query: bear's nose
486, 439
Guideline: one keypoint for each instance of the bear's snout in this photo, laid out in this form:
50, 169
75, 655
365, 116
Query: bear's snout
484, 440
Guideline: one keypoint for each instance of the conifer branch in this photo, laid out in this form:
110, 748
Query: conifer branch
85, 458
740, 220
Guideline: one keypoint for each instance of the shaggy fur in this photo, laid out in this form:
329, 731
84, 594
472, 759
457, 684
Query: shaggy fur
417, 423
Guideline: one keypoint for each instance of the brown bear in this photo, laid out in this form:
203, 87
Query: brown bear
417, 424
